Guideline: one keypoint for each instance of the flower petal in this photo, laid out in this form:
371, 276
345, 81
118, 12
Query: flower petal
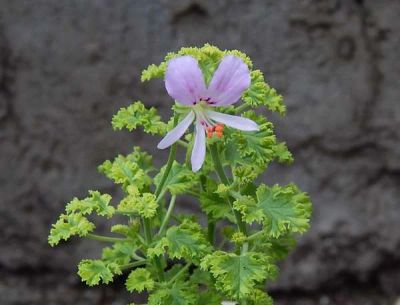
176, 133
230, 80
233, 121
199, 148
184, 80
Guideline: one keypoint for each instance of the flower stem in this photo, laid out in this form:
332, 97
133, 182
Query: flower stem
176, 276
255, 235
183, 143
133, 265
105, 238
224, 179
171, 159
167, 215
211, 231
241, 108
149, 239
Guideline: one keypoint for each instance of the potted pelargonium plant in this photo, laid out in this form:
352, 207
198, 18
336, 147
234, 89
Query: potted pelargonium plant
247, 227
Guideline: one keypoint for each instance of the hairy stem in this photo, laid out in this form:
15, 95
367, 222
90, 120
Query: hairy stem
167, 215
211, 231
224, 179
179, 274
171, 159
149, 239
105, 238
241, 108
133, 265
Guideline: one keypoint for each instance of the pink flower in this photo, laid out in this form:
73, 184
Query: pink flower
185, 83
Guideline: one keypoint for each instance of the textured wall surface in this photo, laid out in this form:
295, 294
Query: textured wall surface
67, 66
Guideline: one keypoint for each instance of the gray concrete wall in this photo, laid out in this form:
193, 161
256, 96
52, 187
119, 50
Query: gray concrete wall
67, 66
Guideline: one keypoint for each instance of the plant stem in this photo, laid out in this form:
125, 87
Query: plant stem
255, 235
224, 179
149, 239
167, 215
241, 108
105, 238
183, 143
171, 159
132, 265
211, 231
176, 276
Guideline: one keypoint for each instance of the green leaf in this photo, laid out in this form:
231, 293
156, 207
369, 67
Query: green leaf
137, 115
153, 71
282, 153
186, 241
126, 170
255, 148
96, 202
139, 280
237, 275
209, 298
68, 226
144, 204
245, 174
214, 205
180, 179
280, 209
245, 204
130, 231
175, 294
120, 253
261, 94
277, 248
94, 271
259, 297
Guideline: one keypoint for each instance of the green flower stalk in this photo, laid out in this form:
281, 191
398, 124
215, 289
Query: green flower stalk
173, 257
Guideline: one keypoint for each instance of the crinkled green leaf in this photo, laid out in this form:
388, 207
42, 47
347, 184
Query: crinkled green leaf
130, 231
209, 298
96, 202
256, 148
139, 280
94, 271
282, 154
278, 248
137, 115
186, 241
245, 204
180, 179
280, 209
144, 204
120, 253
178, 293
237, 275
252, 152
214, 205
127, 170
245, 174
261, 94
259, 297
68, 226
142, 158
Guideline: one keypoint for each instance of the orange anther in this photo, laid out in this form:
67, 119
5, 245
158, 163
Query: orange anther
219, 134
219, 128
209, 134
210, 129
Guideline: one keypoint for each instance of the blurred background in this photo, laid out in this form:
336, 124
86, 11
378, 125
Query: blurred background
67, 66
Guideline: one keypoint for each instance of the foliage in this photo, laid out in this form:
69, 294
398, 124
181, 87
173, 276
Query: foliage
250, 226
139, 280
